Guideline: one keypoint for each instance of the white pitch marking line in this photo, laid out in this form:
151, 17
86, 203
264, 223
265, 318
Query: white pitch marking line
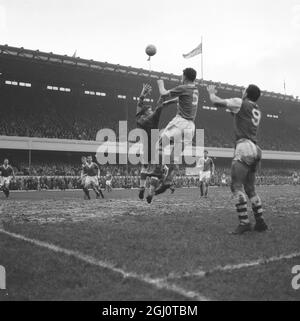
159, 283
233, 267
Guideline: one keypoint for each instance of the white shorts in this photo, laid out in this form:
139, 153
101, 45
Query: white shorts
91, 180
205, 176
178, 127
108, 183
4, 181
223, 181
246, 151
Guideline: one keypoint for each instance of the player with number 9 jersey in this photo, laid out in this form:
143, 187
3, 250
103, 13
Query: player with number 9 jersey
247, 155
246, 121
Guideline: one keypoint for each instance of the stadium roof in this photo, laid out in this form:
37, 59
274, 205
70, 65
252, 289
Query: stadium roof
37, 55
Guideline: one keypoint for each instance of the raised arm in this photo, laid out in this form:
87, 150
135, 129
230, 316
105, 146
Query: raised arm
161, 87
161, 103
146, 90
234, 104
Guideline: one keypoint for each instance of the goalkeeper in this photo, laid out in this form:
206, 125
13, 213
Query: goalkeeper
148, 119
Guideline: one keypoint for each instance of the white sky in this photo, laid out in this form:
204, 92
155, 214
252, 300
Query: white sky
245, 41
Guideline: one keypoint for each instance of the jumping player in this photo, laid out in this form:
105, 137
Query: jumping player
183, 124
91, 172
7, 173
247, 155
148, 119
207, 170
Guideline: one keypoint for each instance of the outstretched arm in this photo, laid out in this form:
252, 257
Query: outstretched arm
234, 104
161, 87
147, 89
161, 103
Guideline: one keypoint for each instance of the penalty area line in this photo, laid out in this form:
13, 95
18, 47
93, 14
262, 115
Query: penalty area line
159, 283
234, 267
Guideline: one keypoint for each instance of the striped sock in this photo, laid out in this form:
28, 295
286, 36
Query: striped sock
241, 208
257, 207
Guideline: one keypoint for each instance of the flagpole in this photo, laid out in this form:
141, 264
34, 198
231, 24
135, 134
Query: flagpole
202, 79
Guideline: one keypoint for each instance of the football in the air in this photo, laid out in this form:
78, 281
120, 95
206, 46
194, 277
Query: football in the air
151, 50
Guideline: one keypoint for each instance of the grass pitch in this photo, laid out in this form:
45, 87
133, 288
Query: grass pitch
120, 248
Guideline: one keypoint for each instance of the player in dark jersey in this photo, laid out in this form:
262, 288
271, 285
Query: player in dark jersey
207, 169
247, 155
91, 172
7, 173
148, 119
182, 125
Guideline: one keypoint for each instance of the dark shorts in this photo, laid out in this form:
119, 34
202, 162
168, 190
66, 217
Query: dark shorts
147, 123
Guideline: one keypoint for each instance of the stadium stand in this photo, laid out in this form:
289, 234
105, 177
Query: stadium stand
46, 95
50, 96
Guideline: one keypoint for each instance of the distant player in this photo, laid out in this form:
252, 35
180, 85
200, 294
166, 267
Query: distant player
83, 170
7, 173
108, 182
223, 180
247, 155
148, 119
91, 172
83, 174
207, 170
183, 124
295, 178
172, 188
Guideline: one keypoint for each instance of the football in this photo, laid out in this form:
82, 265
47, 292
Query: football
151, 50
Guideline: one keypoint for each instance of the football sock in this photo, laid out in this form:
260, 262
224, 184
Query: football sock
6, 191
100, 192
206, 189
86, 192
201, 188
257, 207
241, 208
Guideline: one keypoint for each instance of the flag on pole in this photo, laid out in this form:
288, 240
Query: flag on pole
193, 53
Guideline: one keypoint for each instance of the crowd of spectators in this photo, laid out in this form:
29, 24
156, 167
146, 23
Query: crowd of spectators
62, 176
41, 183
70, 118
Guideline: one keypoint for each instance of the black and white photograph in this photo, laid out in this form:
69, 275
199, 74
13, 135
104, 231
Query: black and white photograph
149, 152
